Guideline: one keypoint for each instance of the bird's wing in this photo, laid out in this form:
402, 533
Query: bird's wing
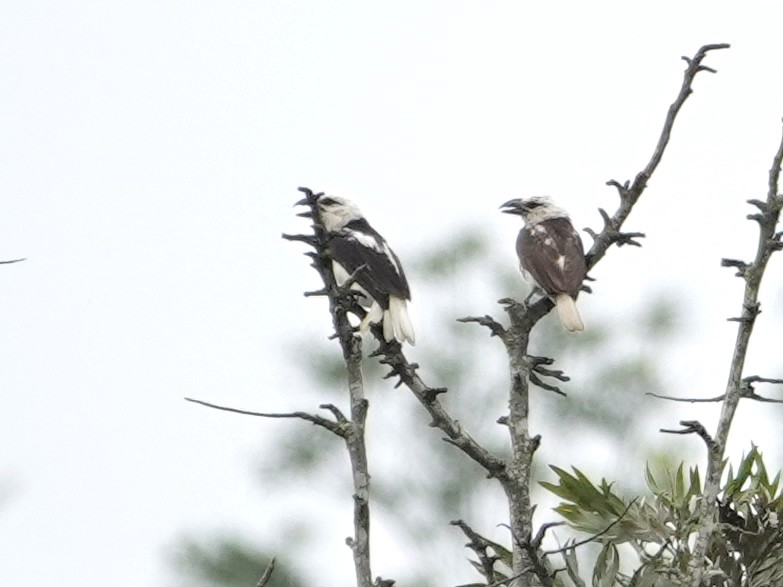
383, 274
552, 253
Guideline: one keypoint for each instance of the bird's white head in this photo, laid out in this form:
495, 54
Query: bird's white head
336, 212
534, 210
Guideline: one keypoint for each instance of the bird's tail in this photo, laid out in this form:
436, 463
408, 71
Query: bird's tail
569, 314
396, 323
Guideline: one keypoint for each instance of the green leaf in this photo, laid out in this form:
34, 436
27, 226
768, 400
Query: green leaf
649, 478
606, 566
695, 486
679, 485
572, 567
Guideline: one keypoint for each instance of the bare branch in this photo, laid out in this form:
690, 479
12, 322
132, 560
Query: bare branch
304, 238
630, 193
746, 392
757, 379
693, 427
537, 368
535, 380
692, 400
758, 398
480, 547
333, 427
741, 266
736, 386
488, 321
12, 261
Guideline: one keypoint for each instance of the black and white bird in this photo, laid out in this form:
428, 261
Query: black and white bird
353, 243
551, 254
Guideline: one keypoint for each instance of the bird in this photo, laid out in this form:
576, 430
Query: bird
357, 250
551, 254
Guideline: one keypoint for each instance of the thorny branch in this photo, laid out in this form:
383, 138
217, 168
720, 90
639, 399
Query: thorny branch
752, 273
341, 301
524, 316
514, 475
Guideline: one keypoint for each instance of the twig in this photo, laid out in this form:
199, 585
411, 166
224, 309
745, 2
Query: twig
542, 532
333, 427
693, 427
592, 538
12, 261
736, 386
496, 329
692, 400
479, 545
746, 393
267, 574
757, 379
630, 193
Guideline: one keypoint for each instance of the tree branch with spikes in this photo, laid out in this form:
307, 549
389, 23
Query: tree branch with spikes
737, 386
631, 192
343, 300
336, 426
524, 316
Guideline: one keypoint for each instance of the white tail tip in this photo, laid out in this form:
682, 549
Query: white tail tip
396, 323
569, 314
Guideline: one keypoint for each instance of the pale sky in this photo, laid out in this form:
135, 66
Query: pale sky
149, 158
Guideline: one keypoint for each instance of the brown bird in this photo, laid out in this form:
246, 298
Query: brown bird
551, 254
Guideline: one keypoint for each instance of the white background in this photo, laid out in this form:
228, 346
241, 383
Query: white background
149, 158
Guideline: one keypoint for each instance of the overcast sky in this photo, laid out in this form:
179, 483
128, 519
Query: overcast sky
149, 158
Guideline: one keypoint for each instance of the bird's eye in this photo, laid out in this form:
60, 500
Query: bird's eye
533, 204
326, 201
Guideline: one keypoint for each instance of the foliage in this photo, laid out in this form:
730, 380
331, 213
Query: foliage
747, 549
227, 562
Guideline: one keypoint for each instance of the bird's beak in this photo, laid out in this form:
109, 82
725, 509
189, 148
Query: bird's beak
302, 202
512, 207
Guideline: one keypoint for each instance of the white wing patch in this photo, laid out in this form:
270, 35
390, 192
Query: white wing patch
368, 241
365, 240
